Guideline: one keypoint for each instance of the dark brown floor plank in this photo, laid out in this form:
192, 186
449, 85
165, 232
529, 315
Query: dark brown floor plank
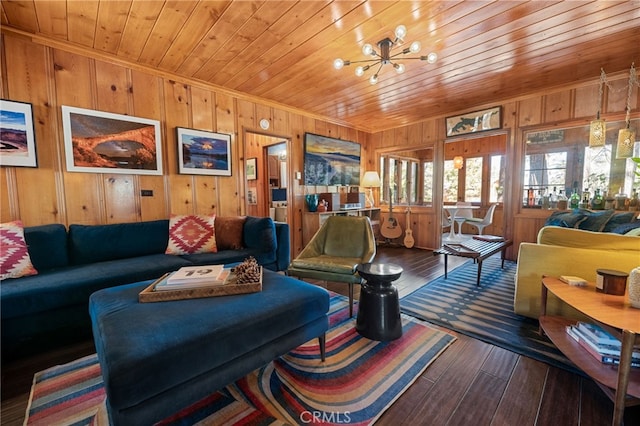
485, 391
519, 406
560, 386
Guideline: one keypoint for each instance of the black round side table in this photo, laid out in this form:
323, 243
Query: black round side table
379, 306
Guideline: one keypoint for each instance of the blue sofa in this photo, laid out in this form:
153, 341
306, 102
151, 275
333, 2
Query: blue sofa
51, 309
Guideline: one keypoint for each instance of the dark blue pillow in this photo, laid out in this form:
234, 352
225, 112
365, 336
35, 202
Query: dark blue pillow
565, 219
618, 219
626, 227
595, 221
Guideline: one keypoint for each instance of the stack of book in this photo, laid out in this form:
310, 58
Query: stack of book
189, 277
600, 344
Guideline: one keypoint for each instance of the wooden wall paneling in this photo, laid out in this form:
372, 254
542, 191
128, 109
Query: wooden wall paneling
246, 116
34, 186
296, 192
112, 95
75, 86
557, 106
147, 94
530, 111
263, 112
586, 102
228, 189
176, 104
280, 124
205, 187
616, 97
401, 136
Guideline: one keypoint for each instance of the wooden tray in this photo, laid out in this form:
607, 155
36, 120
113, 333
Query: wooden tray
229, 287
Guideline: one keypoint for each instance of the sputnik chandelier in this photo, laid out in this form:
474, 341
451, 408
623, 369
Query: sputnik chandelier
385, 56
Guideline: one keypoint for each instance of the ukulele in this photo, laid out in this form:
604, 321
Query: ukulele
408, 233
390, 228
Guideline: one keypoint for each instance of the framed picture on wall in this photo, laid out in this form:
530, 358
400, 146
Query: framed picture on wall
103, 142
252, 196
17, 134
251, 169
330, 161
203, 153
472, 122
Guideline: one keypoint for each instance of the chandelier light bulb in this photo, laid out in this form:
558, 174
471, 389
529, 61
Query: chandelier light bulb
338, 64
367, 49
359, 71
432, 58
415, 47
399, 68
401, 32
373, 79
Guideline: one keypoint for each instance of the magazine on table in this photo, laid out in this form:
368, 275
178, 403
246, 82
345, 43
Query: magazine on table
607, 354
459, 248
194, 277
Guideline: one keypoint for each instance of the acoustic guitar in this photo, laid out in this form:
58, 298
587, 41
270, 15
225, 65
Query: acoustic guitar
408, 233
390, 228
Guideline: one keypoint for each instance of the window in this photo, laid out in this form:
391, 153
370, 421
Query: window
497, 172
473, 180
543, 173
450, 186
409, 177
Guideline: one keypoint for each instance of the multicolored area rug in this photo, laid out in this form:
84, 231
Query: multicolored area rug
485, 312
358, 381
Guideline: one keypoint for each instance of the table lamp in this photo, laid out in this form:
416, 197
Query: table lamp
370, 180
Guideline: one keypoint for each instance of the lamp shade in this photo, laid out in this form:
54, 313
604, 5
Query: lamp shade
597, 133
458, 162
626, 141
370, 179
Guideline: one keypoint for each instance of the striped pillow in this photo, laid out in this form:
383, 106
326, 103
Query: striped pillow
14, 256
189, 234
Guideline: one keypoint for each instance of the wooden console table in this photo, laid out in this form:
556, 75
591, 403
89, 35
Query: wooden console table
614, 314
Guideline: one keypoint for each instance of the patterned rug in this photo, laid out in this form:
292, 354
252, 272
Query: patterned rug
485, 312
358, 381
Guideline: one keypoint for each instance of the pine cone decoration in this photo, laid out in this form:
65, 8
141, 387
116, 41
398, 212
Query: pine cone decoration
248, 271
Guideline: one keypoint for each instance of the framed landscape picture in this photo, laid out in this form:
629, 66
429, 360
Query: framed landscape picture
251, 169
17, 135
329, 161
203, 153
472, 122
103, 142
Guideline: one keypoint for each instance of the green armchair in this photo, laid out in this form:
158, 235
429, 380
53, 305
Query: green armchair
334, 252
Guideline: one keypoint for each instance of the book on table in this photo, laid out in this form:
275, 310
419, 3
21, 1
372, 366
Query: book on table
597, 334
189, 277
489, 238
606, 354
460, 249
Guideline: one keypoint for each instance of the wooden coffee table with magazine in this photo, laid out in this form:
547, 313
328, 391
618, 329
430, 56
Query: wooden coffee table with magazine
478, 248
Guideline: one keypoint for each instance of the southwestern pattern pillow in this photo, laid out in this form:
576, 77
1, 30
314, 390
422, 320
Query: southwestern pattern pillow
14, 256
189, 234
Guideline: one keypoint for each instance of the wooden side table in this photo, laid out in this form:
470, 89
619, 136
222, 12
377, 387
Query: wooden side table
613, 313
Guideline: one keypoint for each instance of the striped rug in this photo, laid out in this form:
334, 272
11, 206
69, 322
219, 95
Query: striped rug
358, 381
484, 312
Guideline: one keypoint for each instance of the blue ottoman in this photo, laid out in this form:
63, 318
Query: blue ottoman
158, 358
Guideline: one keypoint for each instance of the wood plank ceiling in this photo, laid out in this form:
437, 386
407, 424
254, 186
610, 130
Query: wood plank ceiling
283, 51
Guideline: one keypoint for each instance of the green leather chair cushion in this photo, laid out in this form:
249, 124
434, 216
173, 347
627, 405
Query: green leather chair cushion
340, 265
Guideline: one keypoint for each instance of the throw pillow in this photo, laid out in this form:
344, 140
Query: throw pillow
565, 219
229, 232
618, 219
595, 221
626, 227
14, 255
189, 234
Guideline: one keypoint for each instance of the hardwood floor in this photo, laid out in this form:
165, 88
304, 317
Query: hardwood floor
471, 383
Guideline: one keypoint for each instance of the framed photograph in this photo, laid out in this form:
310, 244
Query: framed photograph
203, 153
251, 169
17, 134
473, 122
329, 161
252, 196
103, 142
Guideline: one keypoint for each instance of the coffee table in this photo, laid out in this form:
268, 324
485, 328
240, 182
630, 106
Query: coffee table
379, 306
613, 313
477, 250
